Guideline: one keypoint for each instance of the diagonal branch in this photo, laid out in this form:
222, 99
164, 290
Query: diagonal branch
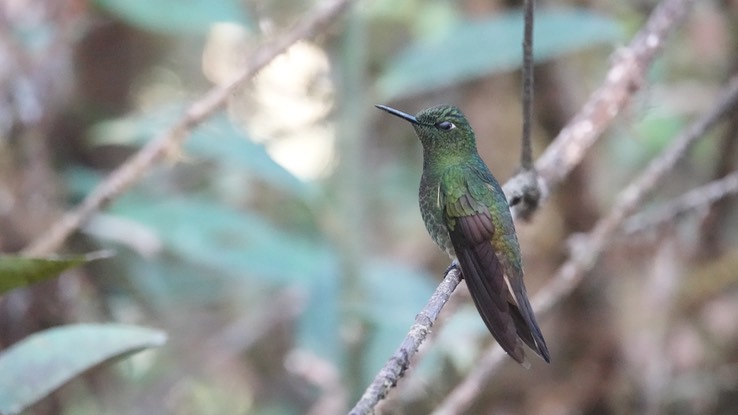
589, 247
139, 164
692, 200
622, 81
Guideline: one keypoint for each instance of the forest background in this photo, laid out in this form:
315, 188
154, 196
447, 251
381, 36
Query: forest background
263, 215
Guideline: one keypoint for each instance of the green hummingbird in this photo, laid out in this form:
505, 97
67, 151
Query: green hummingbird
467, 215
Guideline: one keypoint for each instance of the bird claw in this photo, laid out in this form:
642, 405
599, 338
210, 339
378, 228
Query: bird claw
454, 265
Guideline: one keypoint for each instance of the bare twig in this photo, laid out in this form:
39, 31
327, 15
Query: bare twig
622, 81
695, 199
588, 248
136, 167
528, 192
393, 370
526, 153
711, 226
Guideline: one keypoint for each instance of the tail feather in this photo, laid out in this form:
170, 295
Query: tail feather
525, 320
484, 276
502, 303
530, 334
485, 288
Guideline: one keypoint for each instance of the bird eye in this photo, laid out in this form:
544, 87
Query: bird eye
445, 125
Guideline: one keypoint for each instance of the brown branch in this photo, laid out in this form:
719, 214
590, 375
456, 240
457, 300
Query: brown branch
588, 248
623, 80
138, 165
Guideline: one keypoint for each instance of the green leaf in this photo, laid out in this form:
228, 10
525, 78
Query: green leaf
19, 271
36, 366
481, 47
217, 139
235, 243
176, 16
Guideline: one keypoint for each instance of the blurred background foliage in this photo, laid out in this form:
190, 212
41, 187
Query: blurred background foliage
282, 250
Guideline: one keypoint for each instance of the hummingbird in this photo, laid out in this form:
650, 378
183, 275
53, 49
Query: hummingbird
467, 215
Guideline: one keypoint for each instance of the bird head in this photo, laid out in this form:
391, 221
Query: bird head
442, 129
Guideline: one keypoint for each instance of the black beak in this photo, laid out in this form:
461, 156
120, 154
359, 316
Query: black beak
398, 113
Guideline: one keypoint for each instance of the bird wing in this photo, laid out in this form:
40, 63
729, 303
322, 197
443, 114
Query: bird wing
488, 253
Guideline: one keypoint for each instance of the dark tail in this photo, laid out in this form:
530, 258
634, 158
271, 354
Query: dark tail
527, 328
484, 276
505, 309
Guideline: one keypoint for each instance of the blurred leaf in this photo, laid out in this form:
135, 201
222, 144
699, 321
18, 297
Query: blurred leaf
633, 146
19, 271
460, 338
169, 285
240, 245
36, 366
425, 18
319, 324
482, 47
459, 344
79, 181
432, 18
395, 293
176, 16
217, 139
235, 243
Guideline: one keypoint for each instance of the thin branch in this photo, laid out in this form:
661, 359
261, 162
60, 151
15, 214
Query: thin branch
393, 370
138, 165
588, 248
624, 78
711, 228
526, 153
622, 81
528, 191
695, 199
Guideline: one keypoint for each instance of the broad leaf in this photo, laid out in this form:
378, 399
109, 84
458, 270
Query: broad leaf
235, 243
175, 16
36, 366
19, 271
217, 139
481, 47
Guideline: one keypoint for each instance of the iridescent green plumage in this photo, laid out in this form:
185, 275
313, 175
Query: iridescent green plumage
467, 215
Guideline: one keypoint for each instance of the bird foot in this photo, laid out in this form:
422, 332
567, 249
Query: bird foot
454, 265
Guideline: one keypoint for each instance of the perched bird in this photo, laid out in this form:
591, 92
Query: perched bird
467, 215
